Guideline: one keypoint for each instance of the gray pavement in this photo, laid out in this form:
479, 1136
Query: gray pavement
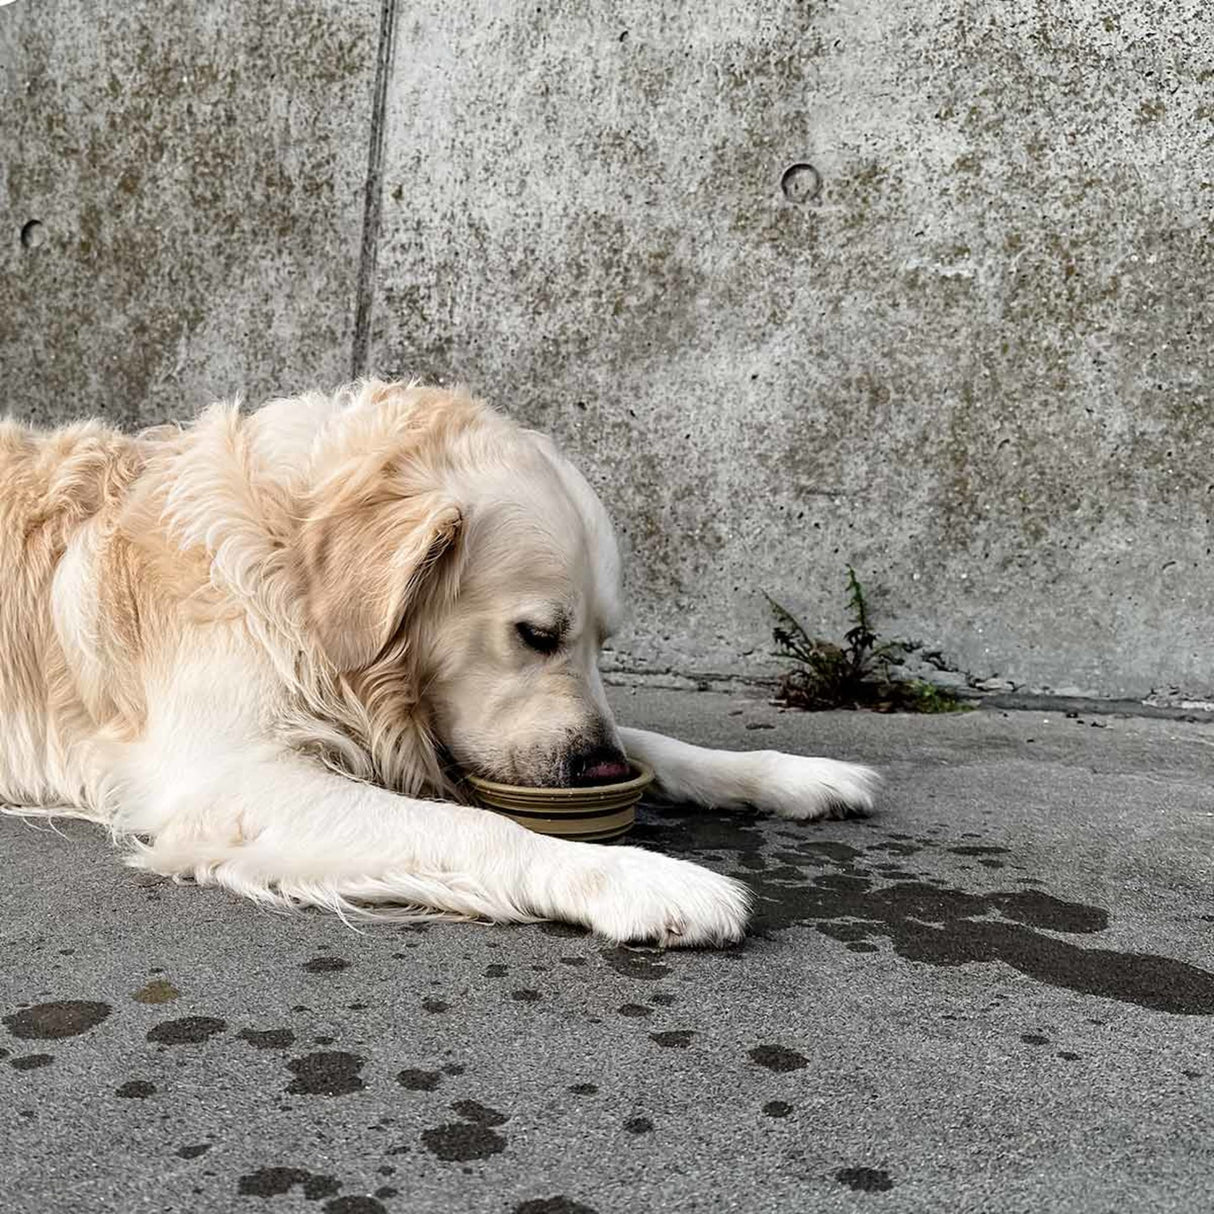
997, 994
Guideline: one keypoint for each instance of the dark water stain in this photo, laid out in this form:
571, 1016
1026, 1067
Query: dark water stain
159, 990
1069, 1056
463, 1141
635, 1010
193, 1152
944, 926
419, 1081
355, 1205
664, 999
435, 1006
865, 1180
560, 1204
563, 931
572, 960
638, 1125
325, 965
777, 1108
386, 1191
584, 1089
1034, 1039
190, 1030
136, 1089
678, 1039
268, 1039
473, 1110
274, 1182
929, 921
31, 1062
526, 996
53, 1021
331, 1073
496, 971
635, 964
778, 1058
453, 1068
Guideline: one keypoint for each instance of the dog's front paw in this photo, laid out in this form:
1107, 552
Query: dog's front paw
636, 895
803, 789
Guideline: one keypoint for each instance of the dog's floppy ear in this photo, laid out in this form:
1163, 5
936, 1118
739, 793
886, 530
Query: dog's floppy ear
365, 562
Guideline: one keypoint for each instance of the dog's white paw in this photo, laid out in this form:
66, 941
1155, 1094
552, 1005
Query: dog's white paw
803, 789
636, 895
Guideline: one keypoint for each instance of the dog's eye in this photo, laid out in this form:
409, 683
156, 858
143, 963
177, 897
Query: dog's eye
539, 639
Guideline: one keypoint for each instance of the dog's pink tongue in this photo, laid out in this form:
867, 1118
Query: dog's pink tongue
606, 773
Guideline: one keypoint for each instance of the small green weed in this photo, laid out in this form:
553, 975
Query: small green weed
856, 674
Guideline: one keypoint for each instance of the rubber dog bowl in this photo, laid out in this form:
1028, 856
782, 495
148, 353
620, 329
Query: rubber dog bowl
594, 814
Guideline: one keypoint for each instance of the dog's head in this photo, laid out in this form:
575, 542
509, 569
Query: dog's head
443, 540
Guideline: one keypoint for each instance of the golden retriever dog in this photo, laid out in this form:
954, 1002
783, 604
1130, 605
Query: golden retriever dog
262, 648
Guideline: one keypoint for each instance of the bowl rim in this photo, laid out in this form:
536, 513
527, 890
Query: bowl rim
642, 779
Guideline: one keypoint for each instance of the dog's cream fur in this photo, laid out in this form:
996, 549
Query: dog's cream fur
258, 649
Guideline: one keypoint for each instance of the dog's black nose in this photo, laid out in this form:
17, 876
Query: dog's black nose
601, 765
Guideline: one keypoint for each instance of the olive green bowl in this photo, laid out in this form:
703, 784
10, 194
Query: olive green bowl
594, 814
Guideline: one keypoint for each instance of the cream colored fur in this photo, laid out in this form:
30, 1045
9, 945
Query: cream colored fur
260, 649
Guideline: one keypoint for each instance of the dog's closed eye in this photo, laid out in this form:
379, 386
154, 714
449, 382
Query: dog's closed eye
542, 640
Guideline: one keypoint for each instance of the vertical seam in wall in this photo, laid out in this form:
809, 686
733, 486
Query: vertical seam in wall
374, 191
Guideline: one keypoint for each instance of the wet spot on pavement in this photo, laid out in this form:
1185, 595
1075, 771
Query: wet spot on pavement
462, 1141
32, 1062
563, 930
430, 1004
678, 1039
136, 1089
778, 1058
274, 1182
632, 963
53, 1021
777, 1108
190, 1030
552, 1205
634, 1010
354, 1205
473, 1110
419, 1081
638, 1125
865, 1180
331, 1073
268, 1039
326, 965
194, 1151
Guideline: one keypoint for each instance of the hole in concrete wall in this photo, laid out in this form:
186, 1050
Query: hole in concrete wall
33, 234
801, 182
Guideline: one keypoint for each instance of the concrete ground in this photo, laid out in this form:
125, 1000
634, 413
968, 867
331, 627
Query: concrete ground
996, 995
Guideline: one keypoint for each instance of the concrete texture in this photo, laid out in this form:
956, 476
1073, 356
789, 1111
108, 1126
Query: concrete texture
995, 995
195, 177
976, 364
965, 347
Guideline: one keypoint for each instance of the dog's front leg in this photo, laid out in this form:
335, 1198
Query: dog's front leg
791, 786
280, 829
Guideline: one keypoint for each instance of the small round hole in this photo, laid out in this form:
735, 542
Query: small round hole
801, 182
33, 234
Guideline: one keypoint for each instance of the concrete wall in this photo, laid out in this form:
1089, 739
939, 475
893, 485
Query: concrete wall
968, 351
